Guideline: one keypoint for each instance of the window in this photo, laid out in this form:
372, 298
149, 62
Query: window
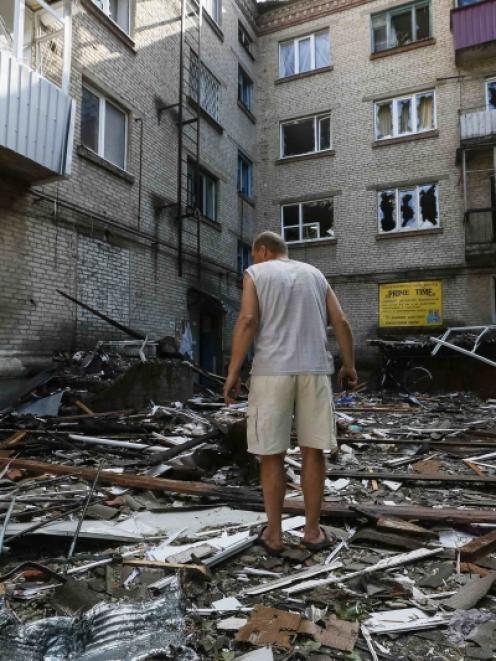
491, 94
104, 127
117, 10
305, 54
493, 298
245, 176
245, 89
204, 87
244, 38
306, 136
401, 26
409, 208
205, 190
307, 221
214, 9
244, 257
404, 116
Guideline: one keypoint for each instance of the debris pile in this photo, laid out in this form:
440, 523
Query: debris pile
129, 526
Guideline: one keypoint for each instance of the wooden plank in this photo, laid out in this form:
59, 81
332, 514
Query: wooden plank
479, 547
410, 477
157, 564
82, 406
13, 440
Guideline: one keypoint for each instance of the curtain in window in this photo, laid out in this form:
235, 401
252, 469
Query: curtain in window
305, 55
384, 120
322, 50
404, 116
425, 112
287, 60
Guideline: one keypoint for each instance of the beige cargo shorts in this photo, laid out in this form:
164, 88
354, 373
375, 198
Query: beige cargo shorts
271, 404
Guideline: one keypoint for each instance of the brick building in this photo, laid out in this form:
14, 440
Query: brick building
364, 130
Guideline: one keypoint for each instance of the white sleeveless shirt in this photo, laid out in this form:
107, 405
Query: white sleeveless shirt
292, 331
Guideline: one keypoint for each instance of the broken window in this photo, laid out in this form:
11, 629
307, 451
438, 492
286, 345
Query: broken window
405, 116
306, 135
407, 209
104, 127
491, 94
204, 87
245, 176
245, 89
305, 54
244, 257
203, 196
307, 221
401, 26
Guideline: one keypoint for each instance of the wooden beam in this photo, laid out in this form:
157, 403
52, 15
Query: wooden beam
410, 477
479, 547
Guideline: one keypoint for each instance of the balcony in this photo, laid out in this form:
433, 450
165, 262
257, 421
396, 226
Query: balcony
474, 31
36, 111
480, 236
478, 126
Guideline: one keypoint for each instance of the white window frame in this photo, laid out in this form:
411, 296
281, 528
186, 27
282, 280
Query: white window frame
317, 119
398, 192
487, 83
102, 102
394, 101
104, 6
218, 9
296, 52
389, 13
301, 224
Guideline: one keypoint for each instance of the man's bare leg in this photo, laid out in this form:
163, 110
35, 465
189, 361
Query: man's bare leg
273, 480
312, 482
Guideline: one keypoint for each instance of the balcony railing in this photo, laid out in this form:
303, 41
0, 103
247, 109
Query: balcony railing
474, 26
477, 123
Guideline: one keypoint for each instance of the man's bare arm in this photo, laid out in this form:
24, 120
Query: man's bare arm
243, 336
344, 337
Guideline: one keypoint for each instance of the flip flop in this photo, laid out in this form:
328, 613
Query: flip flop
324, 544
275, 553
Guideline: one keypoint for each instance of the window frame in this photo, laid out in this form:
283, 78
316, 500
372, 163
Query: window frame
296, 53
394, 11
247, 79
242, 159
394, 101
102, 102
488, 81
243, 31
317, 119
218, 6
105, 8
301, 225
398, 190
241, 246
192, 203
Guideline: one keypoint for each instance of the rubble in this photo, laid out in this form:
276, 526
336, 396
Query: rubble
130, 516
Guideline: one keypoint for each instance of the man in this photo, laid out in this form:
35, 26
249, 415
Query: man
285, 307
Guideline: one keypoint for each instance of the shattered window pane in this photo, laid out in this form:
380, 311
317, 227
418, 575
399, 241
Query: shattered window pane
425, 112
491, 95
387, 211
325, 133
298, 137
404, 110
317, 219
384, 120
379, 29
423, 20
287, 63
304, 55
408, 209
322, 49
401, 28
428, 206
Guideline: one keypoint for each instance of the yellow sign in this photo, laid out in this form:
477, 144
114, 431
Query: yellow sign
411, 304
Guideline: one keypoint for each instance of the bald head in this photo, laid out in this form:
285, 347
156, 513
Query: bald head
269, 245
